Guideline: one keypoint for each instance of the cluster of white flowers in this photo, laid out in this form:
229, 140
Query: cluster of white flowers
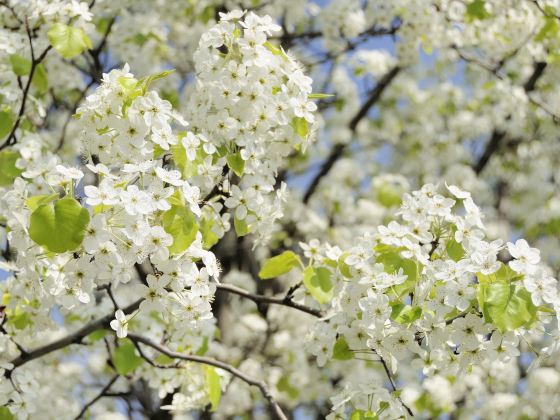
431, 290
141, 213
430, 314
250, 108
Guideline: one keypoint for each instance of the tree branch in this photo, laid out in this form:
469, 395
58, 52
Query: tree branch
216, 363
11, 140
284, 301
393, 385
74, 338
498, 135
338, 150
97, 397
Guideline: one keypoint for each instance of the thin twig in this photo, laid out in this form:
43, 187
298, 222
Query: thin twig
393, 385
11, 140
97, 397
74, 338
284, 301
338, 150
216, 363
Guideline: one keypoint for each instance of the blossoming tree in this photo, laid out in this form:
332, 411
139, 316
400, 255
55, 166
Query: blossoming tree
279, 209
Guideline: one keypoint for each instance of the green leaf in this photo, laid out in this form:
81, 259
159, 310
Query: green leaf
300, 126
180, 223
40, 79
241, 227
318, 282
392, 261
236, 163
273, 48
280, 264
145, 82
389, 196
319, 95
405, 314
6, 123
20, 320
8, 169
209, 238
213, 387
59, 227
204, 348
506, 305
68, 41
341, 351
343, 267
38, 200
363, 415
163, 359
476, 10
125, 358
97, 335
172, 96
6, 414
454, 250
21, 66
549, 30
284, 385
503, 274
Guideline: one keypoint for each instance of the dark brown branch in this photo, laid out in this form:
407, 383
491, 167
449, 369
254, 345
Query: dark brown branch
74, 338
97, 397
497, 135
338, 150
11, 140
284, 301
538, 71
393, 385
491, 148
216, 363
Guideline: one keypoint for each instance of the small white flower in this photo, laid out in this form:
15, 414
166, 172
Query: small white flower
72, 173
120, 324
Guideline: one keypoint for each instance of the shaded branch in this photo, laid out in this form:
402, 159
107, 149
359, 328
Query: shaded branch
218, 364
74, 338
393, 385
11, 140
498, 135
284, 301
97, 397
338, 150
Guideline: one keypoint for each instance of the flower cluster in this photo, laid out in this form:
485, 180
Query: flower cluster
250, 108
137, 213
430, 291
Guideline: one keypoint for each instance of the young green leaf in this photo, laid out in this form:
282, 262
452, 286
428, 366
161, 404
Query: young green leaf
341, 351
21, 66
241, 227
59, 227
180, 223
506, 305
300, 126
405, 314
213, 387
38, 200
6, 123
125, 358
280, 264
8, 169
236, 163
68, 41
318, 282
40, 79
284, 385
319, 95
